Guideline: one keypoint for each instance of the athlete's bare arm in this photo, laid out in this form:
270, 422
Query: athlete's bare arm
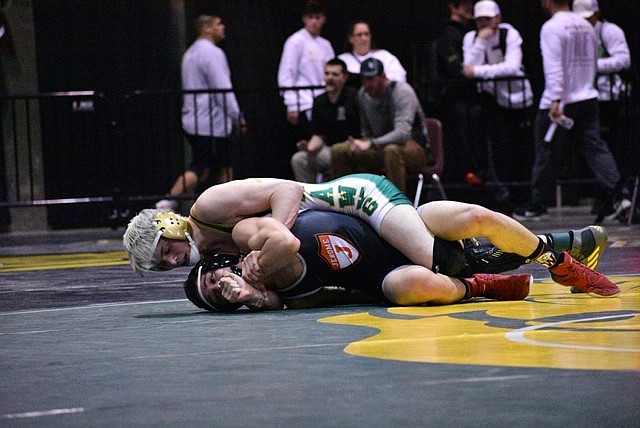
231, 202
270, 246
236, 290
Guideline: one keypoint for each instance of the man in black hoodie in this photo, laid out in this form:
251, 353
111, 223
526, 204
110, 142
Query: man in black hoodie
458, 108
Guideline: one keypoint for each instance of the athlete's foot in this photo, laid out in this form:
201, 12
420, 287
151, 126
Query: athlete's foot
500, 287
571, 272
588, 245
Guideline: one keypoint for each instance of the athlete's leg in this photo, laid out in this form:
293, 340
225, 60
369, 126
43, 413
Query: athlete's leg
456, 220
403, 228
415, 285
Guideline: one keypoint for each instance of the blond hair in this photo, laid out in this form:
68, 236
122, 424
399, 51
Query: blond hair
139, 239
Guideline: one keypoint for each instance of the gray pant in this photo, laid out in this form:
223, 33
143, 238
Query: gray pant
586, 132
306, 166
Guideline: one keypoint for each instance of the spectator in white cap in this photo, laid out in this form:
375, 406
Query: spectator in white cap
613, 51
613, 57
493, 53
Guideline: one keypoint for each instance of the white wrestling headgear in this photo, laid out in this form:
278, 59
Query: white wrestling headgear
174, 226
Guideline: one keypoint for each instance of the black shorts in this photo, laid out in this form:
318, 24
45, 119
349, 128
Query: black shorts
208, 152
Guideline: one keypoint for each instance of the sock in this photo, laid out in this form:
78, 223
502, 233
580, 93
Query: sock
560, 241
469, 290
545, 255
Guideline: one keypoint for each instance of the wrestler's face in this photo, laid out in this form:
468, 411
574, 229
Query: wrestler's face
211, 288
172, 253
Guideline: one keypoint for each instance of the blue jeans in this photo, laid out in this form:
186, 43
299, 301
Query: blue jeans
586, 133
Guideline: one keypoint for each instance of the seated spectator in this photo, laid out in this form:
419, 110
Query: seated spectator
335, 118
394, 137
361, 47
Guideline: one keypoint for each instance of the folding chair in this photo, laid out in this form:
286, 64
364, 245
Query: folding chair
436, 140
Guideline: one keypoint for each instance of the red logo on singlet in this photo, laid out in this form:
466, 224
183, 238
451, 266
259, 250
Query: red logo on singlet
337, 251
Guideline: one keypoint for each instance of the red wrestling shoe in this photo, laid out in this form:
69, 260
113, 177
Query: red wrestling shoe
573, 273
500, 287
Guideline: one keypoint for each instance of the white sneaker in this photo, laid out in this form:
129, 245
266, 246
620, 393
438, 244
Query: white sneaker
620, 207
167, 204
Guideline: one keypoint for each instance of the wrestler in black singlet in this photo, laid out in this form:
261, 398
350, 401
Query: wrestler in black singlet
343, 251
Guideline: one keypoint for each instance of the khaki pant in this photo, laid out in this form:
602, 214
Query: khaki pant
392, 160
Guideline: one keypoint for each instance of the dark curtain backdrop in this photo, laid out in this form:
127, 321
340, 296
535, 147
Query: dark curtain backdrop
117, 47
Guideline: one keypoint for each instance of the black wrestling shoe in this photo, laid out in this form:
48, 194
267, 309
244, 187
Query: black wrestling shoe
487, 258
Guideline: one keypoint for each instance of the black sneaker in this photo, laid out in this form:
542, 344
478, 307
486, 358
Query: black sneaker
532, 212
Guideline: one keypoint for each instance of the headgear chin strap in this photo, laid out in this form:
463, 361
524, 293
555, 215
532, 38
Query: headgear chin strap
200, 293
194, 256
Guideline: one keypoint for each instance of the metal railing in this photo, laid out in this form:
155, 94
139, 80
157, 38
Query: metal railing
124, 151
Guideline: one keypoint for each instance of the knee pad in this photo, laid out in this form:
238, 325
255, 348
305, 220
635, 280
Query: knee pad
448, 257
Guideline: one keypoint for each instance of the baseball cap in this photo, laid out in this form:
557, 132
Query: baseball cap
585, 8
371, 67
486, 9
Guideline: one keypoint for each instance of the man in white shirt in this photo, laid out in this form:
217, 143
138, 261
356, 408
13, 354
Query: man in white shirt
613, 51
569, 50
494, 51
613, 57
304, 56
208, 119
